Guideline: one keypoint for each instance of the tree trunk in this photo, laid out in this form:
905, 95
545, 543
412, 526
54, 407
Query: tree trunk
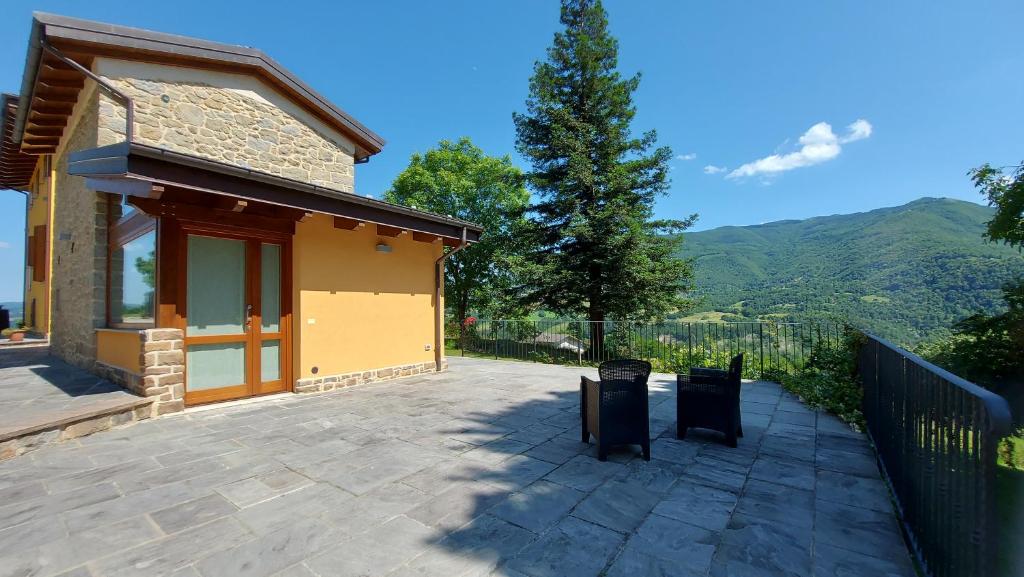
596, 316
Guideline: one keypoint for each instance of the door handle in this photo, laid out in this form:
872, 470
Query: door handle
248, 318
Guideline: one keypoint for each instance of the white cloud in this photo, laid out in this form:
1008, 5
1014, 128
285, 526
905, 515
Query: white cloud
5, 244
819, 144
712, 169
689, 156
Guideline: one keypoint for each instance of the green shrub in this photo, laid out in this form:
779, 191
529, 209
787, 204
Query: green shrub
829, 379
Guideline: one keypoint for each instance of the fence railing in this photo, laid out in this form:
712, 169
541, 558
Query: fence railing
936, 436
671, 346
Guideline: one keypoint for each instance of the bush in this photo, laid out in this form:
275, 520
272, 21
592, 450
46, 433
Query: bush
829, 379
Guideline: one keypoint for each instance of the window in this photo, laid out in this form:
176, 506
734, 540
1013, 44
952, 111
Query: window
131, 268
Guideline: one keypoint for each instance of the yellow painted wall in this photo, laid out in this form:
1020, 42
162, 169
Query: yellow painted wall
120, 348
39, 207
356, 308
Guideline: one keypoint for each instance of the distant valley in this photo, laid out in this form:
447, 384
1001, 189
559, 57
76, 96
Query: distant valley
906, 273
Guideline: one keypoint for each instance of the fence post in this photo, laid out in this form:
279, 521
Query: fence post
496, 342
760, 328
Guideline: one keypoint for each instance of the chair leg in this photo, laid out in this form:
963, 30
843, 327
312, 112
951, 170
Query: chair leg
586, 434
602, 452
647, 450
680, 431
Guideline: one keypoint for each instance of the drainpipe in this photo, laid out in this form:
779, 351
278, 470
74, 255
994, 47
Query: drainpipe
438, 309
122, 98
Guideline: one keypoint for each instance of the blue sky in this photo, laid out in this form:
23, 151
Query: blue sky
736, 84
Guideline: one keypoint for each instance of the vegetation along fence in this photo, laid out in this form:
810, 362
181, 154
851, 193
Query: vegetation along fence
936, 436
670, 346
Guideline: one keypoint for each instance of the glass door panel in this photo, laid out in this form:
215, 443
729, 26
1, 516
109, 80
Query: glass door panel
268, 367
215, 366
270, 287
216, 286
217, 342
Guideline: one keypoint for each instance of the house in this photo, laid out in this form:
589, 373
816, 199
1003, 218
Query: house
193, 228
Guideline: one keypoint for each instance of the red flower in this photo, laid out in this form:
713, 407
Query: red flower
469, 321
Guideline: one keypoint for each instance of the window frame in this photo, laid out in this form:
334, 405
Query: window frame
121, 231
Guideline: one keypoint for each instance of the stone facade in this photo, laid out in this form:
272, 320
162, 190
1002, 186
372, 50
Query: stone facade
332, 382
80, 250
229, 126
162, 360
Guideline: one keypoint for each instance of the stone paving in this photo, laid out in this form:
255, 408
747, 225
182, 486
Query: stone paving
43, 399
478, 471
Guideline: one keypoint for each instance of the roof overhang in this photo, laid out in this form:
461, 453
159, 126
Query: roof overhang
50, 87
16, 167
134, 168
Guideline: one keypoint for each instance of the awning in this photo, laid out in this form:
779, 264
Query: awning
133, 169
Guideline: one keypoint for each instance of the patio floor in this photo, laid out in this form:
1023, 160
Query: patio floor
477, 471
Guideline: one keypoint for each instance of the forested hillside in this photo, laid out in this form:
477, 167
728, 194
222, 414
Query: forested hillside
906, 273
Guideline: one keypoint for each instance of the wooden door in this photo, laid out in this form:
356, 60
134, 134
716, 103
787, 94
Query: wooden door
236, 316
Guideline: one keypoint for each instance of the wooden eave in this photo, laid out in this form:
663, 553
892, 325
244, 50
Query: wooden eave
16, 167
52, 87
134, 169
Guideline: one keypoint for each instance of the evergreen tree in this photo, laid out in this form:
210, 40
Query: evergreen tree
458, 179
597, 250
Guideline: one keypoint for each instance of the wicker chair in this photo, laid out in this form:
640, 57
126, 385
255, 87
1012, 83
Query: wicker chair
614, 409
710, 399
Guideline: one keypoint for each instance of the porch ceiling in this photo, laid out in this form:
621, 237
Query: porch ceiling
134, 169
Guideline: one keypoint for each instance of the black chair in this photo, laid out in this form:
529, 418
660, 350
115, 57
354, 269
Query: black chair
710, 399
614, 409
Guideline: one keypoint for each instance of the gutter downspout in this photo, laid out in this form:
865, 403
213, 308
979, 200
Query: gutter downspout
122, 98
438, 309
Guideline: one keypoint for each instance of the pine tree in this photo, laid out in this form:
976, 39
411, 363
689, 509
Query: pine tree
598, 250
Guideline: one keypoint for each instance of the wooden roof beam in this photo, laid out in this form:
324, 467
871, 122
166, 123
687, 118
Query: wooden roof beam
424, 237
346, 223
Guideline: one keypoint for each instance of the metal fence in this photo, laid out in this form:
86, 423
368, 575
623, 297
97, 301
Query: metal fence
936, 436
671, 346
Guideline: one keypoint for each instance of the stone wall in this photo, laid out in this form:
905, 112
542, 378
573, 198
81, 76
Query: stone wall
80, 250
162, 361
321, 384
233, 126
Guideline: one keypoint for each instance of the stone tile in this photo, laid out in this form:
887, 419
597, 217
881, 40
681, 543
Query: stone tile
377, 552
830, 560
256, 489
777, 503
674, 450
796, 474
634, 562
297, 570
457, 506
584, 473
63, 554
375, 507
857, 464
753, 547
497, 451
48, 505
516, 472
538, 506
191, 513
475, 549
698, 505
272, 552
617, 505
858, 529
716, 473
799, 449
163, 556
570, 549
23, 492
31, 534
688, 547
654, 475
804, 417
309, 502
855, 491
844, 442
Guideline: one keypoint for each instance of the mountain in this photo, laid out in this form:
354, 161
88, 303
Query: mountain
906, 273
